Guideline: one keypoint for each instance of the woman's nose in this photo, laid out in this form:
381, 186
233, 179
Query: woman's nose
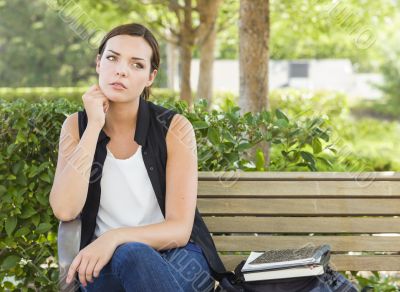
121, 70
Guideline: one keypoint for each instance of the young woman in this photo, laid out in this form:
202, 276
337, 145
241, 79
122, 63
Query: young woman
141, 230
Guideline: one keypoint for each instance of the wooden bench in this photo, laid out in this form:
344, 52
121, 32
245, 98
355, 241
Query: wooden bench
356, 213
353, 212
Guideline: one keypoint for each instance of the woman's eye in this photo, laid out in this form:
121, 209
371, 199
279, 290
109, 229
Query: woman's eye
137, 65
110, 58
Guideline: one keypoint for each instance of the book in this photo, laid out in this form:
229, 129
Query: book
292, 272
275, 259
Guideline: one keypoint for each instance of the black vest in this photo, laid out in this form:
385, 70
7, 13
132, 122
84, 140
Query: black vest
151, 129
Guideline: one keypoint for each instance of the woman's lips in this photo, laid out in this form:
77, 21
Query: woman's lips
117, 86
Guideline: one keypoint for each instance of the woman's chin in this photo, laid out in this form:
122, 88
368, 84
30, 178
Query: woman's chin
115, 96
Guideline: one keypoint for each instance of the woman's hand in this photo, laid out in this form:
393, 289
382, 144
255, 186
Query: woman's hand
90, 260
96, 105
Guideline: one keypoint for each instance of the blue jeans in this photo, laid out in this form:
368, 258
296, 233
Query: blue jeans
136, 266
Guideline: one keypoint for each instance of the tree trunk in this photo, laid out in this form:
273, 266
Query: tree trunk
171, 65
253, 61
208, 10
187, 38
186, 58
253, 54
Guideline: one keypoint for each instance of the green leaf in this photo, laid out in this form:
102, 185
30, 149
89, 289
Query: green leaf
10, 262
20, 137
228, 136
43, 227
22, 231
281, 123
266, 115
281, 116
213, 136
10, 149
199, 125
27, 212
312, 167
45, 177
333, 150
308, 157
260, 160
33, 170
9, 285
316, 145
244, 146
325, 161
323, 135
10, 225
35, 219
232, 157
17, 167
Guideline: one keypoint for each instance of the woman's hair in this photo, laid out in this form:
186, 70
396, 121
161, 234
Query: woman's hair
135, 29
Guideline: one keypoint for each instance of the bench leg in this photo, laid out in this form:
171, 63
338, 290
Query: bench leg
68, 242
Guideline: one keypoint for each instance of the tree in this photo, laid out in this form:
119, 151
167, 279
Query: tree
34, 53
195, 23
253, 55
208, 10
308, 29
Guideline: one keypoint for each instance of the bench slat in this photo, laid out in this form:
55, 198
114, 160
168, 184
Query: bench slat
299, 189
303, 224
339, 262
299, 176
337, 243
293, 207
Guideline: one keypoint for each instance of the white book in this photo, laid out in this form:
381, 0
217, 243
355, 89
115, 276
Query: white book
302, 271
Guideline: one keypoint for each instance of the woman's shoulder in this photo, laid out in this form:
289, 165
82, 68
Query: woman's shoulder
70, 125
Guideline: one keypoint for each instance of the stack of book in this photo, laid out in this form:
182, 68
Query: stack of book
287, 263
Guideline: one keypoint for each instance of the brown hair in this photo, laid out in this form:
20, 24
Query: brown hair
135, 29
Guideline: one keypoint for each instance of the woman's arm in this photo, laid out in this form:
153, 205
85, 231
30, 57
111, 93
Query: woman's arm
75, 158
181, 193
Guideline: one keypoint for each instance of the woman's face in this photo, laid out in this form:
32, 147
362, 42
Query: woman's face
125, 60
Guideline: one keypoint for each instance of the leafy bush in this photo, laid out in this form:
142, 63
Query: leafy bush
377, 282
29, 137
362, 144
297, 103
70, 93
225, 137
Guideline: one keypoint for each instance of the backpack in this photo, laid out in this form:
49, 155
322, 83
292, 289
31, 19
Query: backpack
330, 281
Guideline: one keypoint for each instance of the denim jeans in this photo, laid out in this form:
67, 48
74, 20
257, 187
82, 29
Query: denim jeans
136, 266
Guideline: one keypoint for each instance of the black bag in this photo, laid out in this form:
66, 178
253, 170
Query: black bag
333, 282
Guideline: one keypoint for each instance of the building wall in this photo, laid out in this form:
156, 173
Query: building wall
326, 74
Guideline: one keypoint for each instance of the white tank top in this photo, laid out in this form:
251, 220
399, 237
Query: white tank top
127, 195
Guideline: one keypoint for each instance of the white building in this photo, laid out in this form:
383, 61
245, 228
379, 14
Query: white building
325, 74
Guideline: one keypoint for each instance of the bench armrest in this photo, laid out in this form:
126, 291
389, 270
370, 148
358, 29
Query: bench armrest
68, 241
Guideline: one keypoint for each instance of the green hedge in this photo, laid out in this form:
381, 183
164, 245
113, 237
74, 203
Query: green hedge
54, 93
29, 139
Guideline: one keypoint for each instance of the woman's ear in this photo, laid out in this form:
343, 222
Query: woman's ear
152, 76
98, 63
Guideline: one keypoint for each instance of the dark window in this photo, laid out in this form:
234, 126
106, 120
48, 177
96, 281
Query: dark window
298, 70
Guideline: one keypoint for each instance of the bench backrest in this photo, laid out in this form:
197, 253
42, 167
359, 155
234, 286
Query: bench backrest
356, 213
